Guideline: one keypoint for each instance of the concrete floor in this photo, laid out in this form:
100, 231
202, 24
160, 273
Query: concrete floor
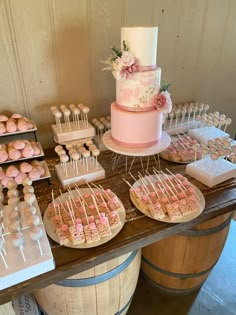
216, 297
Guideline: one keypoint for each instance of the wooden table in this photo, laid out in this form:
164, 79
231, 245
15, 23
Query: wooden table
137, 232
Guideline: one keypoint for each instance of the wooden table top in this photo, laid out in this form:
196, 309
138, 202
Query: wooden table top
138, 230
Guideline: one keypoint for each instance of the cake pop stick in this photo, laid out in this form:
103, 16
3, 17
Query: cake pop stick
195, 109
189, 110
177, 112
18, 241
171, 118
183, 113
221, 123
64, 159
67, 114
101, 128
85, 112
206, 107
75, 157
36, 234
2, 249
228, 121
95, 153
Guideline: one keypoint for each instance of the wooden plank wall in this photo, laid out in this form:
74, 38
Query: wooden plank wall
50, 52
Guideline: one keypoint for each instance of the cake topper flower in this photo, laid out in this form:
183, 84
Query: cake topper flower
162, 100
122, 63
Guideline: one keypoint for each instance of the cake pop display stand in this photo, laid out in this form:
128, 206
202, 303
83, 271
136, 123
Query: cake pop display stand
205, 134
35, 263
69, 132
161, 145
95, 172
181, 127
210, 172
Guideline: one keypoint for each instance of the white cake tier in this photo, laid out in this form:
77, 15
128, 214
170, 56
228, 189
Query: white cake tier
135, 129
136, 92
142, 41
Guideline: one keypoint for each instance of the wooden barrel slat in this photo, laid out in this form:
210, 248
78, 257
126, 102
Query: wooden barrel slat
103, 290
181, 263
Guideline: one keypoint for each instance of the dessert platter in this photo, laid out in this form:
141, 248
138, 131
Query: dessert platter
84, 218
167, 197
24, 248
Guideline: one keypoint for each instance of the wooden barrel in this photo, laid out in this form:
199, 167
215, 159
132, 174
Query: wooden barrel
181, 263
103, 290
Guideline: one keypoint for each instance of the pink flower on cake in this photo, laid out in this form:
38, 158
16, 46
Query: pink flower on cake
162, 102
127, 59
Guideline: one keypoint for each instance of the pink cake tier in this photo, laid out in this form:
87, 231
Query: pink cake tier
135, 92
135, 129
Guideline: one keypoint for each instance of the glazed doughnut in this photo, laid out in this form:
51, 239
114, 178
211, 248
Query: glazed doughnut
41, 170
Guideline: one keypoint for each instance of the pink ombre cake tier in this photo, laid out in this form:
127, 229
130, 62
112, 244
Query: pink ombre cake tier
135, 129
135, 92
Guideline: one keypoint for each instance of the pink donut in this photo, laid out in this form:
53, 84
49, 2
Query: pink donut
3, 155
25, 167
16, 115
19, 144
36, 163
2, 174
11, 125
29, 125
34, 174
12, 171
3, 118
19, 178
28, 151
14, 154
5, 181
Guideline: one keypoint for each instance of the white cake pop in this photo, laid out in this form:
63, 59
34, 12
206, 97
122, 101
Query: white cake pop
206, 107
95, 154
36, 234
228, 121
33, 220
58, 148
101, 128
85, 112
86, 155
64, 159
18, 241
29, 198
53, 108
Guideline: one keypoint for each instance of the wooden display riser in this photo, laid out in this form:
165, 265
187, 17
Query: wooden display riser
62, 133
95, 172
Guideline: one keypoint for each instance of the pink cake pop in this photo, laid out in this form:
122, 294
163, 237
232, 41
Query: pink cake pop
3, 155
25, 167
41, 170
28, 151
12, 171
5, 180
34, 174
14, 154
3, 118
19, 178
36, 149
2, 128
16, 115
11, 125
19, 144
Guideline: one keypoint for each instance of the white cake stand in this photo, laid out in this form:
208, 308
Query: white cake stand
160, 146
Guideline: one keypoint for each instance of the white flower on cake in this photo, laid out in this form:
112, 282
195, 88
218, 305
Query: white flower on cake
122, 63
